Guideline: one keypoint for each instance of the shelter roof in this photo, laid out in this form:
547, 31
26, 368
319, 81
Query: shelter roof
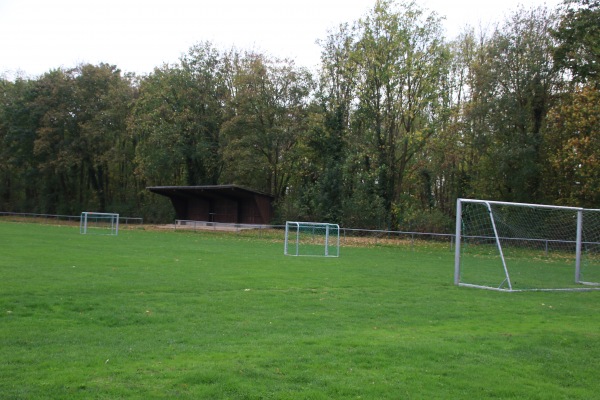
235, 191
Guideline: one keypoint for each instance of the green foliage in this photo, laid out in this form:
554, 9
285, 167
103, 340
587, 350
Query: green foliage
435, 220
149, 314
512, 104
65, 134
177, 121
17, 134
578, 35
401, 59
573, 148
260, 141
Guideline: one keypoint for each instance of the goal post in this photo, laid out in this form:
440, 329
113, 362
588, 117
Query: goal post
312, 239
518, 246
99, 223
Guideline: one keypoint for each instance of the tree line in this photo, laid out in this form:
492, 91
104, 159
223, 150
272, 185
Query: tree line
394, 126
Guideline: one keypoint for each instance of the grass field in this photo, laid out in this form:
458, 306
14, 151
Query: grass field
163, 314
529, 269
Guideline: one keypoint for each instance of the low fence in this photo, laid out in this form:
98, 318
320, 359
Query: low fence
348, 236
217, 226
66, 219
406, 237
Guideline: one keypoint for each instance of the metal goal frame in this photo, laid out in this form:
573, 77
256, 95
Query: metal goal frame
319, 239
577, 241
99, 223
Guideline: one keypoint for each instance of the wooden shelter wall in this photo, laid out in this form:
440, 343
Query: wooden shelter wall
198, 210
219, 206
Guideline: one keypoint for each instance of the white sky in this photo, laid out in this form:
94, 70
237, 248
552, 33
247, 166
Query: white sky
138, 35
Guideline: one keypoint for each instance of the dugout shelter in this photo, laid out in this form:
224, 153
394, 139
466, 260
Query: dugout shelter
219, 203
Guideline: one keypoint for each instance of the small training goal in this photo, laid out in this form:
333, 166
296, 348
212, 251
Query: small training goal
99, 223
312, 239
516, 246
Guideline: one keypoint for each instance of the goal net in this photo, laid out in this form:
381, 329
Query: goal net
516, 246
99, 223
312, 239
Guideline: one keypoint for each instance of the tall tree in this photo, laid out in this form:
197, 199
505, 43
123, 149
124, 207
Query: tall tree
269, 115
572, 145
177, 119
573, 149
403, 61
103, 98
18, 124
450, 155
208, 95
56, 147
320, 191
83, 112
515, 87
578, 36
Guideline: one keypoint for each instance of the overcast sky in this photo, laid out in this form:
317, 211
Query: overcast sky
138, 35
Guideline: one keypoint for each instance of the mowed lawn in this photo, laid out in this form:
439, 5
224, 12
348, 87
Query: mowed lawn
154, 314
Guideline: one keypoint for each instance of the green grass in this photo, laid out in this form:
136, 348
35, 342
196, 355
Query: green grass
529, 268
150, 314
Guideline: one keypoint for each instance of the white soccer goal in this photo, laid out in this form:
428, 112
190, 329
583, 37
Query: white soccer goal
312, 239
99, 223
516, 246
